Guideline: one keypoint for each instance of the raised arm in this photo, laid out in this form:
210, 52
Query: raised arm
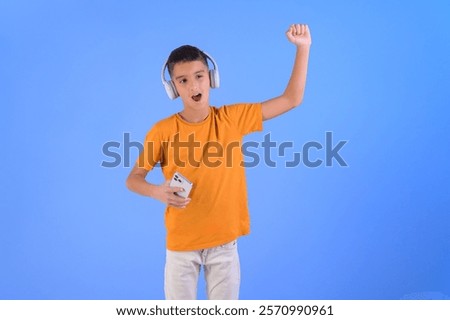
299, 35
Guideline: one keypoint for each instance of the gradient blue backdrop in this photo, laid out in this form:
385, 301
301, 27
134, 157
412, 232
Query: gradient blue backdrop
77, 74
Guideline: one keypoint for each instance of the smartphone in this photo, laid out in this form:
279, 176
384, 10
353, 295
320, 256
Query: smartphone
178, 180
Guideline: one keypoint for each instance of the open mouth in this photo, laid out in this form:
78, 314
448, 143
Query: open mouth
197, 97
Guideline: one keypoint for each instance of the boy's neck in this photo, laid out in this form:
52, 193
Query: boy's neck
194, 116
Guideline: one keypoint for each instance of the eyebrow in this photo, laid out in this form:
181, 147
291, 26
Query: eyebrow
183, 76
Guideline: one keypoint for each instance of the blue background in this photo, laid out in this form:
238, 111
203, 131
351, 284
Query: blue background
77, 74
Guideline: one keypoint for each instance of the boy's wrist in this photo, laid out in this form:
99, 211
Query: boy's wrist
304, 46
151, 190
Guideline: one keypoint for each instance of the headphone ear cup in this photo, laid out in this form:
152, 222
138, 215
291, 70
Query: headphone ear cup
171, 90
214, 78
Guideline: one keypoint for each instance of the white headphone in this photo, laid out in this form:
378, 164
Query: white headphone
170, 86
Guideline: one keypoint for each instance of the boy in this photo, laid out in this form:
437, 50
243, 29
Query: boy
203, 144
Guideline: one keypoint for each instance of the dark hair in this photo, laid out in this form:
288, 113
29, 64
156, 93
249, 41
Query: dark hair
185, 53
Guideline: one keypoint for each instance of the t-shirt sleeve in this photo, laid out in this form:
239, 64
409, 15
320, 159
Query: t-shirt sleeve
246, 116
152, 151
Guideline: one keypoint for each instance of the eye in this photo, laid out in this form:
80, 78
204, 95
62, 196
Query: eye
199, 76
182, 81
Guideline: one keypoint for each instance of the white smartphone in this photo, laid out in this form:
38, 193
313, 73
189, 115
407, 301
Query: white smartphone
178, 180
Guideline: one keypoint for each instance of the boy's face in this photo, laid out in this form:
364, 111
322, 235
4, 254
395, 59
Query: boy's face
192, 82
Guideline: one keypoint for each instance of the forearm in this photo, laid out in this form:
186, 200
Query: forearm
138, 184
295, 88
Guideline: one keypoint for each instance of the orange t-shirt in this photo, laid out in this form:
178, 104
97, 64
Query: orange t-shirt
209, 155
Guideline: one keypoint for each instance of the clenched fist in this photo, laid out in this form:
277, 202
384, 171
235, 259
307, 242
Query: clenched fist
299, 35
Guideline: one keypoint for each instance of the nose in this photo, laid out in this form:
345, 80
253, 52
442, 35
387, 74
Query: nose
194, 88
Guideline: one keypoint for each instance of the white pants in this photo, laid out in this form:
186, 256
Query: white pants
222, 273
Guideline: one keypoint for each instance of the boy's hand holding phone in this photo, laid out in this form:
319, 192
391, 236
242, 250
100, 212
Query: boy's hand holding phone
167, 194
174, 192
